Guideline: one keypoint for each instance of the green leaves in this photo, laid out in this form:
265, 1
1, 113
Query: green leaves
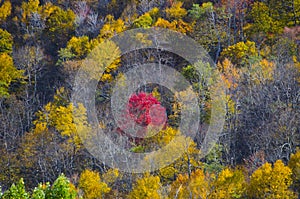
16, 191
197, 12
144, 21
61, 188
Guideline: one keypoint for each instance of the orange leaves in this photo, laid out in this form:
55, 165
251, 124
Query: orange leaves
176, 25
195, 186
230, 74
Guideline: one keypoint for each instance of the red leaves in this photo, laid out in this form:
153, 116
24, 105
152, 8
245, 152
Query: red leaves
143, 113
145, 109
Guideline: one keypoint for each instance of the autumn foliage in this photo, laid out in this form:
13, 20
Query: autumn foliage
254, 49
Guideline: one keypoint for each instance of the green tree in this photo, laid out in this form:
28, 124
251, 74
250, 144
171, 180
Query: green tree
16, 191
144, 21
61, 188
77, 47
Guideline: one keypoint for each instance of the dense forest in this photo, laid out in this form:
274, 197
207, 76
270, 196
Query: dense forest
253, 48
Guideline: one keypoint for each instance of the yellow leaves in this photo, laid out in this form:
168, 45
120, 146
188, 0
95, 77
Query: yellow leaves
111, 27
92, 186
48, 9
40, 128
294, 164
154, 12
165, 136
61, 21
28, 8
143, 38
156, 94
239, 53
267, 69
80, 46
176, 11
8, 73
147, 187
5, 10
263, 22
229, 184
68, 120
165, 24
271, 182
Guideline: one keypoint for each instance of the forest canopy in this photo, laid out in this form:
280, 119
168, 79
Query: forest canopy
253, 46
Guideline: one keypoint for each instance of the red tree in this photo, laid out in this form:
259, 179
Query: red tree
144, 111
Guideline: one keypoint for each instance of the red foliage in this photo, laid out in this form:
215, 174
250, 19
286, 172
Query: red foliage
142, 106
143, 110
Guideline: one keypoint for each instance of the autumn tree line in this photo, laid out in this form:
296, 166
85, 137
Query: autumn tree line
255, 47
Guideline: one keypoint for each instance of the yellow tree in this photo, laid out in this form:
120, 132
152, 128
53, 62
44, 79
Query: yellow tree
176, 11
28, 8
5, 10
229, 184
147, 187
8, 73
294, 164
7, 69
271, 182
111, 27
57, 131
239, 53
91, 185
